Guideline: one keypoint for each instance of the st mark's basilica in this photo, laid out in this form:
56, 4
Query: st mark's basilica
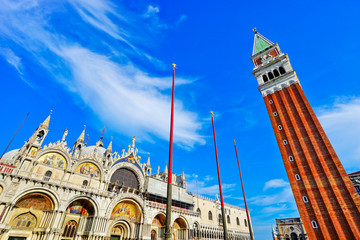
61, 192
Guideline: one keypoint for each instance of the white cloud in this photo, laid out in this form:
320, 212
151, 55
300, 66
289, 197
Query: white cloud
284, 196
151, 10
15, 62
275, 183
128, 99
12, 59
204, 186
181, 19
341, 124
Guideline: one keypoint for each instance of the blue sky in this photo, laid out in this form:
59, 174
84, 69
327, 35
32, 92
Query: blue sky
109, 63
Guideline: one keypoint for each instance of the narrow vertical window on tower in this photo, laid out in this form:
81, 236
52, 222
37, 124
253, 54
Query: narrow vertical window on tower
291, 158
314, 224
275, 114
280, 127
297, 176
285, 142
271, 101
305, 199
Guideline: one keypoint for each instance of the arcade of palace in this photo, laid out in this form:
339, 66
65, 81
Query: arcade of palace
91, 192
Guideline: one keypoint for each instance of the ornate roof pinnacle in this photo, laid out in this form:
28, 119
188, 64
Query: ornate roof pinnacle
109, 148
45, 124
82, 135
148, 161
255, 31
173, 65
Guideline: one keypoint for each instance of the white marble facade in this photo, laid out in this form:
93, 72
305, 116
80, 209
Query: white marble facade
91, 192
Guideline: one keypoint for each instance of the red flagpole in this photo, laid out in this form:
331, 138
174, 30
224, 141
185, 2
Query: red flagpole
218, 172
169, 185
243, 190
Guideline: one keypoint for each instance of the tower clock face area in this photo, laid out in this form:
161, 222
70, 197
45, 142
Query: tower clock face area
266, 57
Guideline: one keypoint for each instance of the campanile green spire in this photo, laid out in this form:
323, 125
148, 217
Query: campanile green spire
260, 42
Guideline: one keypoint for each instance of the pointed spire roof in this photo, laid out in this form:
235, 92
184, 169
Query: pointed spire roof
166, 170
45, 124
260, 42
82, 135
183, 175
109, 148
148, 161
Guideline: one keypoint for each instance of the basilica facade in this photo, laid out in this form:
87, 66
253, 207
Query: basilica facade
90, 192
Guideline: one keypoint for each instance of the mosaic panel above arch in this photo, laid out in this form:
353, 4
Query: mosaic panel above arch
27, 220
179, 224
36, 201
88, 169
127, 209
159, 221
81, 206
53, 159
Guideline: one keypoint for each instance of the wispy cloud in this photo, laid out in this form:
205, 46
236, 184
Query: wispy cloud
341, 124
15, 62
128, 99
12, 59
204, 186
275, 183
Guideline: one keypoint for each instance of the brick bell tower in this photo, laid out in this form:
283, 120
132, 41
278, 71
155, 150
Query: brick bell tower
327, 201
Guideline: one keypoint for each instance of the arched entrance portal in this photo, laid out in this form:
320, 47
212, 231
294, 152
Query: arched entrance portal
119, 232
179, 229
79, 218
27, 215
158, 227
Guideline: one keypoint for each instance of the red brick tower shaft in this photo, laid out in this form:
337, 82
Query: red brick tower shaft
327, 202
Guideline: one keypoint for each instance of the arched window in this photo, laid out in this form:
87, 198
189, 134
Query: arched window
294, 236
282, 70
47, 176
125, 177
199, 211
245, 222
70, 229
271, 76
228, 219
237, 221
220, 219
276, 73
210, 215
85, 183
265, 78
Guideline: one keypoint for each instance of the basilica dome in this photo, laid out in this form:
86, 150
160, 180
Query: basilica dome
8, 157
99, 151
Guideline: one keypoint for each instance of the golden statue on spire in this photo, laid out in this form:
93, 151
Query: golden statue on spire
255, 31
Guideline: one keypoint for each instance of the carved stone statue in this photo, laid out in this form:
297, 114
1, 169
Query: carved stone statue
64, 135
